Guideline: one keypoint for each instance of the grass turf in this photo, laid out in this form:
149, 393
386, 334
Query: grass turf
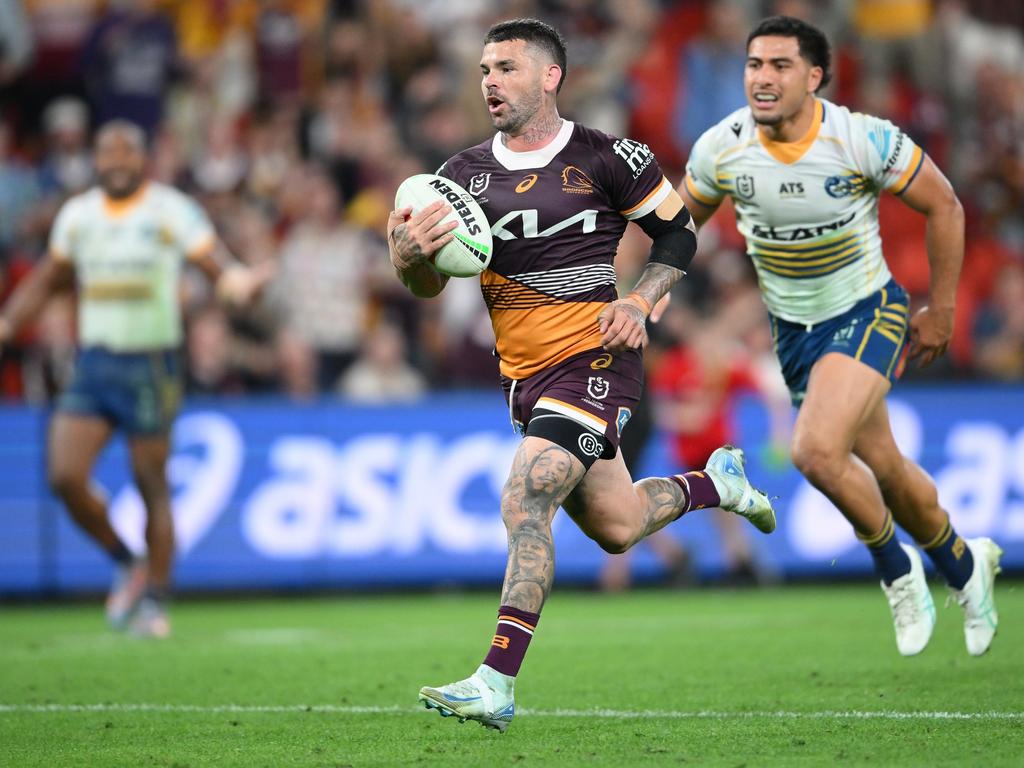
802, 662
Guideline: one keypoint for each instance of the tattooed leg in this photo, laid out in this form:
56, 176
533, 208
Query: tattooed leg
542, 475
616, 512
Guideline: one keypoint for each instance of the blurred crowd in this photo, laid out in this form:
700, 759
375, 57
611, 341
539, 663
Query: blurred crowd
293, 122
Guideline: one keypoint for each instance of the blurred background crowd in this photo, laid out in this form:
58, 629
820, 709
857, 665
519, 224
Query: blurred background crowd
293, 122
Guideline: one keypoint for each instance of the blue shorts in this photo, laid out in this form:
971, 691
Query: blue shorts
874, 331
138, 392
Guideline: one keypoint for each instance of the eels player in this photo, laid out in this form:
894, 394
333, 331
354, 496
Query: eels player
559, 196
805, 176
123, 243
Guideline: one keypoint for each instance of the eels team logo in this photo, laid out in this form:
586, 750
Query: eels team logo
745, 186
838, 186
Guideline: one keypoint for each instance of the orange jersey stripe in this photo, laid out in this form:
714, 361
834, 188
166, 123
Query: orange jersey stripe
643, 202
514, 620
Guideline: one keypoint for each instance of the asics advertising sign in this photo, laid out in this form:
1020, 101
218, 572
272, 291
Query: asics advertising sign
271, 494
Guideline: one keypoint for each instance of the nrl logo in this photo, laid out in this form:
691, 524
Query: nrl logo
479, 183
598, 387
745, 186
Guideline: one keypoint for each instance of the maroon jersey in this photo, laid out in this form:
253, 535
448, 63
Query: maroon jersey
556, 215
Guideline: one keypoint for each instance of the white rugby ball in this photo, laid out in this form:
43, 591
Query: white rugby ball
470, 252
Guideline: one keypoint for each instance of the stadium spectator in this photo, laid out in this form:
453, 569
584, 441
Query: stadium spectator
323, 289
381, 374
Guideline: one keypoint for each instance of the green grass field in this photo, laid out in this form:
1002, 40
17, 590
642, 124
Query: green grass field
795, 676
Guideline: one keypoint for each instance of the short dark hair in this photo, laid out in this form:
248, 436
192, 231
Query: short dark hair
533, 32
812, 41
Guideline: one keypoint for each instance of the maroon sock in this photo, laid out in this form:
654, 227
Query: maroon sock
698, 491
511, 639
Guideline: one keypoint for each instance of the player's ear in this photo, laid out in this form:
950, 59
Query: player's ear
552, 76
814, 79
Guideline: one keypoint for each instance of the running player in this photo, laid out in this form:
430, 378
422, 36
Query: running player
123, 243
805, 176
558, 196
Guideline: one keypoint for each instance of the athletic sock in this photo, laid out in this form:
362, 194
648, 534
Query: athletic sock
511, 639
698, 491
120, 554
891, 561
951, 555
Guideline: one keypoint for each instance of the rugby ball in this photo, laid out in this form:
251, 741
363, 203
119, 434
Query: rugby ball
470, 252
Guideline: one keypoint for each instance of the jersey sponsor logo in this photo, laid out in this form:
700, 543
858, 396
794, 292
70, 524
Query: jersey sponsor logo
598, 387
590, 445
479, 183
895, 153
529, 217
791, 189
576, 182
458, 205
621, 419
800, 233
601, 362
526, 184
745, 186
637, 156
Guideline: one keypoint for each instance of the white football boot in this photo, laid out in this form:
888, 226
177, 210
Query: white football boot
980, 616
484, 696
913, 610
725, 468
150, 620
129, 584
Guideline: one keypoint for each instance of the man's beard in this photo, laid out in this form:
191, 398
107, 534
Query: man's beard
516, 117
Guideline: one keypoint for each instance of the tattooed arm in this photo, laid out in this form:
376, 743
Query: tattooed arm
623, 322
412, 240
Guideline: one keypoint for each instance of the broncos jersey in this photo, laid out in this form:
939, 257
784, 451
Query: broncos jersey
556, 216
808, 209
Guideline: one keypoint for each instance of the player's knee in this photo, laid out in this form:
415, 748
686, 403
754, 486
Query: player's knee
817, 461
65, 482
614, 539
150, 480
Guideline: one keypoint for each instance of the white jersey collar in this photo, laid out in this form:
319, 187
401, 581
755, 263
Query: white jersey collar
534, 158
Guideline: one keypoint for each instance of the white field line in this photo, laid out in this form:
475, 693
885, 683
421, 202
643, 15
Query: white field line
617, 714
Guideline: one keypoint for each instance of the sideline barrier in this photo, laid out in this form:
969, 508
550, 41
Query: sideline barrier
271, 494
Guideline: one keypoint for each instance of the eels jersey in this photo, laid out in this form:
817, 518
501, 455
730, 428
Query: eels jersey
556, 215
808, 209
128, 256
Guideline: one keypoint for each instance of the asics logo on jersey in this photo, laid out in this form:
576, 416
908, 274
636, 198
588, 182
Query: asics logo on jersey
588, 218
637, 156
526, 184
576, 182
603, 361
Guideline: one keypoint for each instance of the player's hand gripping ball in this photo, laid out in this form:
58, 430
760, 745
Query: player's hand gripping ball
471, 247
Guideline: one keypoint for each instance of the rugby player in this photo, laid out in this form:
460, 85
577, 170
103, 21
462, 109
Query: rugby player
123, 243
558, 196
805, 176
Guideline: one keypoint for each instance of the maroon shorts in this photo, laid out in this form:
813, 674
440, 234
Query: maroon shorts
582, 403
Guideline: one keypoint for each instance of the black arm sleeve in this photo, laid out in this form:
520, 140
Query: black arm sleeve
675, 241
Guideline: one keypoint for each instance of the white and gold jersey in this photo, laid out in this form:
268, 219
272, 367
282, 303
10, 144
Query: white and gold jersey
128, 256
808, 209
